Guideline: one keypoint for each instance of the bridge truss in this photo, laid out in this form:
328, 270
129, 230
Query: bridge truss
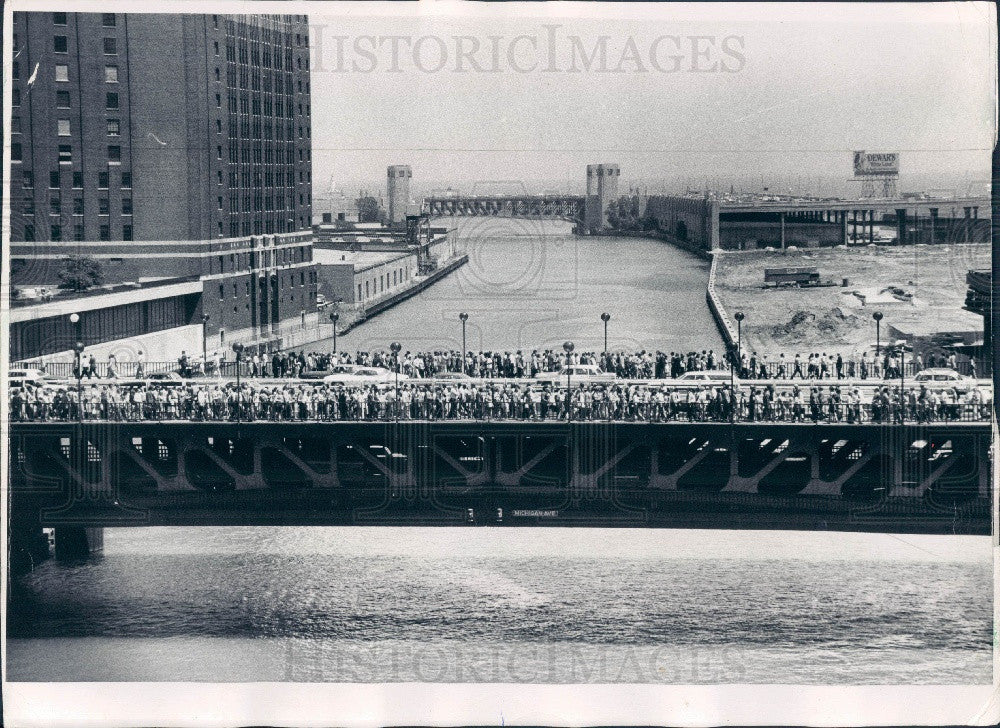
929, 478
543, 207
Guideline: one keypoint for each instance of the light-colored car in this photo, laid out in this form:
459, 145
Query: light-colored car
20, 377
578, 374
364, 375
943, 377
451, 376
710, 376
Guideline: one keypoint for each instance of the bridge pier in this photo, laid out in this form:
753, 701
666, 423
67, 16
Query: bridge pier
28, 546
73, 542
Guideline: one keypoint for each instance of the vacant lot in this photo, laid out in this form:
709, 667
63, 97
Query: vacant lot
833, 319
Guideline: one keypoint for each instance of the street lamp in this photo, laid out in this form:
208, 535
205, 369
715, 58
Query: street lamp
878, 332
78, 360
394, 347
568, 348
605, 317
463, 317
334, 318
238, 348
204, 343
739, 337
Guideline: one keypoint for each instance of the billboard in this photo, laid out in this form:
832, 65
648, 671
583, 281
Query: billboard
878, 164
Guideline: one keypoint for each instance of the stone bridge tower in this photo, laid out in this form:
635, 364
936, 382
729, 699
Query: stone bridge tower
602, 191
397, 192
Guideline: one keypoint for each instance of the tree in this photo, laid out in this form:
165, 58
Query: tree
369, 210
80, 272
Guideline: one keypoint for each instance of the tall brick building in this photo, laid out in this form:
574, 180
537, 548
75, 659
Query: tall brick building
170, 147
159, 127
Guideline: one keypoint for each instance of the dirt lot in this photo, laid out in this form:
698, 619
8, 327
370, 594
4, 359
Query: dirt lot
833, 319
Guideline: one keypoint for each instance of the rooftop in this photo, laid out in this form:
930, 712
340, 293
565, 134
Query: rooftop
360, 259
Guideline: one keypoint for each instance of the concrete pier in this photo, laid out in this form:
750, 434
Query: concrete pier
73, 542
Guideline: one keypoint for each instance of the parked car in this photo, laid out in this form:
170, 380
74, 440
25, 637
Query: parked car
711, 376
578, 374
364, 375
20, 377
451, 376
944, 377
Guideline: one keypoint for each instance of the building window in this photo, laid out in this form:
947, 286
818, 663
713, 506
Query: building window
126, 232
15, 125
114, 153
105, 233
65, 154
55, 203
111, 101
60, 44
15, 99
29, 205
78, 180
114, 127
55, 232
29, 233
218, 101
59, 18
126, 180
15, 152
62, 99
218, 126
102, 180
77, 205
62, 127
222, 292
126, 206
111, 74
111, 46
78, 232
103, 206
28, 180
54, 180
108, 20
62, 72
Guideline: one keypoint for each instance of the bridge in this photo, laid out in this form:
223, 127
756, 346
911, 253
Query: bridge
532, 207
931, 478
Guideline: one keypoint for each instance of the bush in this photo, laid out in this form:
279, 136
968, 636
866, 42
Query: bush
80, 272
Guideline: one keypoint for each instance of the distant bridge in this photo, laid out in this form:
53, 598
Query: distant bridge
871, 477
532, 207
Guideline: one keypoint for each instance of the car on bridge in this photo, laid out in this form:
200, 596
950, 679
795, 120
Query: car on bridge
577, 374
451, 377
20, 377
365, 375
944, 377
707, 376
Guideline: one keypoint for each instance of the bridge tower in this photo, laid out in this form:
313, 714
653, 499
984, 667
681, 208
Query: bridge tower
602, 191
398, 192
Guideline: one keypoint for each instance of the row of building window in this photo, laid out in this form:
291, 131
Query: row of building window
61, 71
111, 100
56, 179
55, 205
56, 233
65, 152
108, 20
383, 281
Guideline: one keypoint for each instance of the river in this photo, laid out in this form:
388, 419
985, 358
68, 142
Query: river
533, 285
557, 605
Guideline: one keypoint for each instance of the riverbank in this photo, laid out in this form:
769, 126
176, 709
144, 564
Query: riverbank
834, 319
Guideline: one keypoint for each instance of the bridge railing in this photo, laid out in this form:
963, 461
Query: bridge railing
487, 410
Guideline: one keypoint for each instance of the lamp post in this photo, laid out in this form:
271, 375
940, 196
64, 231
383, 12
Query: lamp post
334, 318
394, 347
902, 381
605, 317
238, 348
78, 362
463, 317
878, 332
204, 343
568, 348
738, 362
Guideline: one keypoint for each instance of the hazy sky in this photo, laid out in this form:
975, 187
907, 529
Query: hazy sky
679, 94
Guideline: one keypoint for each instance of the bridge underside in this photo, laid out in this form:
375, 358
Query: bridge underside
530, 207
846, 477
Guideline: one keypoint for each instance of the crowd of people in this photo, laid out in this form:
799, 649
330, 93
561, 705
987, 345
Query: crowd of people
299, 401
